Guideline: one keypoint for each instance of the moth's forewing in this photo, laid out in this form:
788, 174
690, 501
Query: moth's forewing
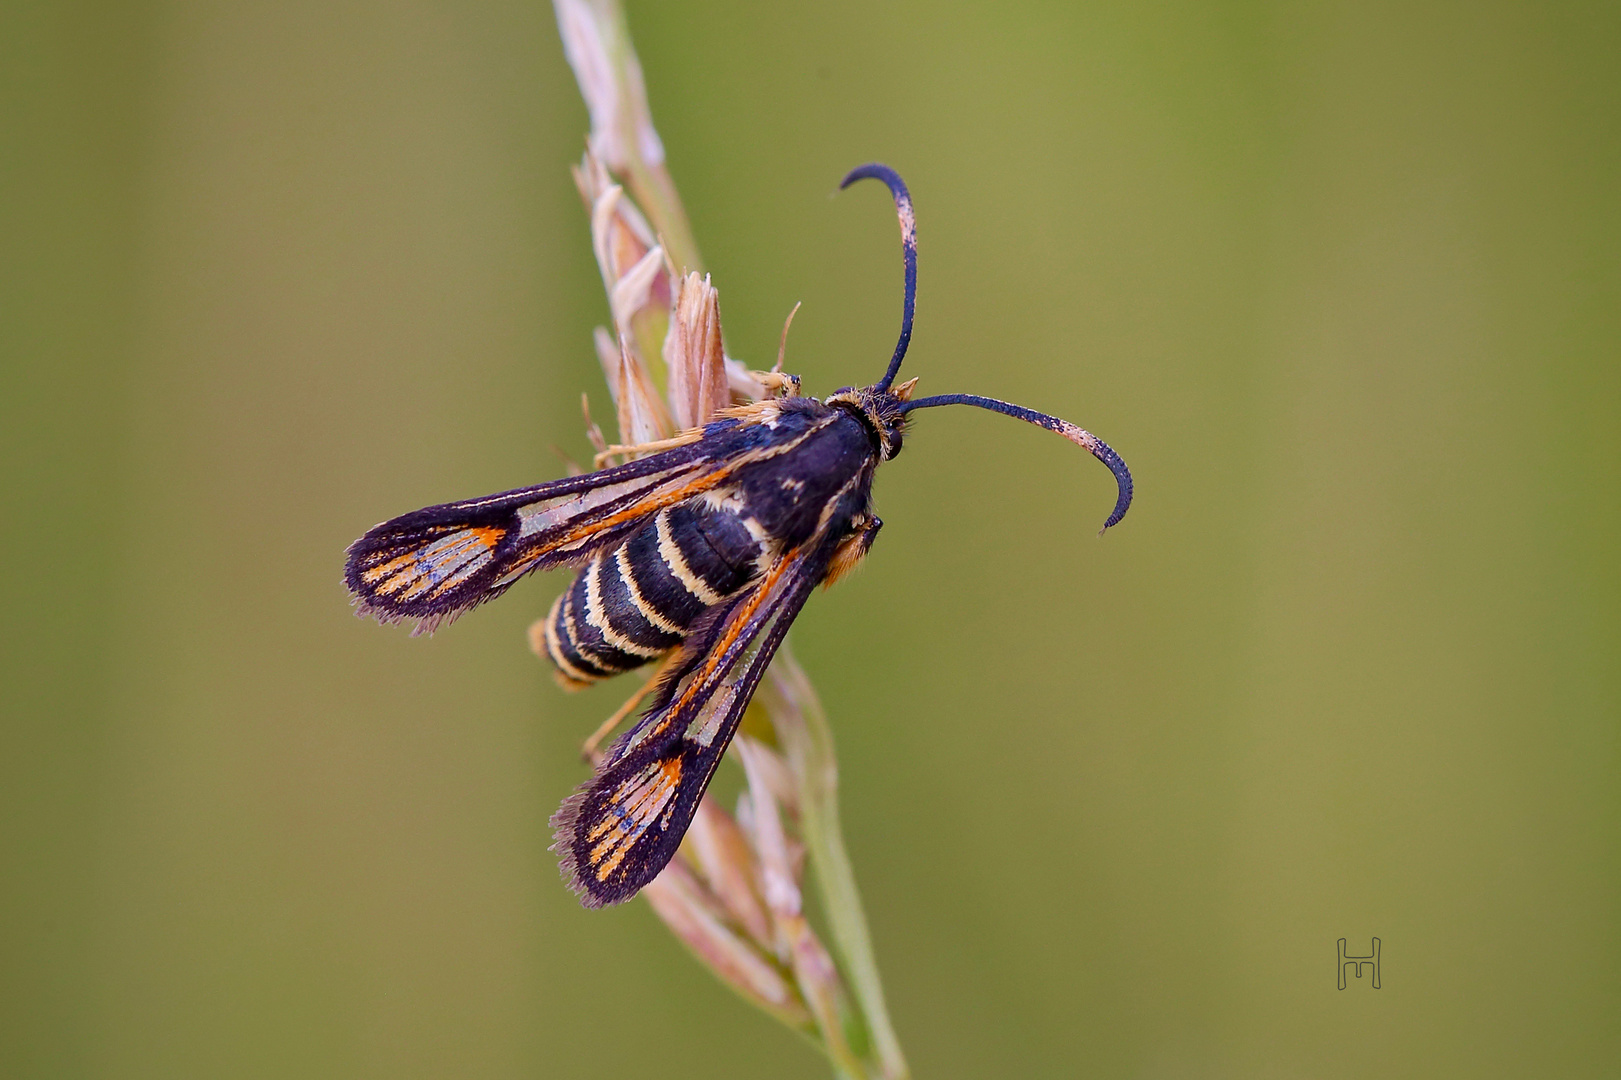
617, 832
433, 564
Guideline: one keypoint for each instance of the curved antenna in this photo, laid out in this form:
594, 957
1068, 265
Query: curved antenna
1080, 437
903, 208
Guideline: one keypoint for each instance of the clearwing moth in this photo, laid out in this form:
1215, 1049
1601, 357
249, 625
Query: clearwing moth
699, 556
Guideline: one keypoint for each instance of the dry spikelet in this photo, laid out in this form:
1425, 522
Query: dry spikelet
642, 416
633, 292
777, 878
693, 353
720, 851
620, 236
697, 920
610, 79
637, 281
608, 357
734, 896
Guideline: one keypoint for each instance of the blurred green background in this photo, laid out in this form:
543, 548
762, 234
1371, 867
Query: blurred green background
1340, 281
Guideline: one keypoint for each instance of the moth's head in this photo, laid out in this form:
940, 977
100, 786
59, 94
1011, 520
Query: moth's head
882, 409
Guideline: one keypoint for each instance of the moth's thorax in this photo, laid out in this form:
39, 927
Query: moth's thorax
818, 482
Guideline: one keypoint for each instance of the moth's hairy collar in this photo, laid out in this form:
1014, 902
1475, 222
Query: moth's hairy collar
879, 411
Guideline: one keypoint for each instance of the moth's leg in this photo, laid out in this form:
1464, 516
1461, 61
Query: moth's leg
588, 750
852, 549
782, 349
774, 381
647, 447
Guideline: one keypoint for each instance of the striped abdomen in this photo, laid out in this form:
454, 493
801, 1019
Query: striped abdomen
635, 602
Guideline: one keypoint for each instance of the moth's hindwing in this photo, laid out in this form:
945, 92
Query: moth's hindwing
618, 831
